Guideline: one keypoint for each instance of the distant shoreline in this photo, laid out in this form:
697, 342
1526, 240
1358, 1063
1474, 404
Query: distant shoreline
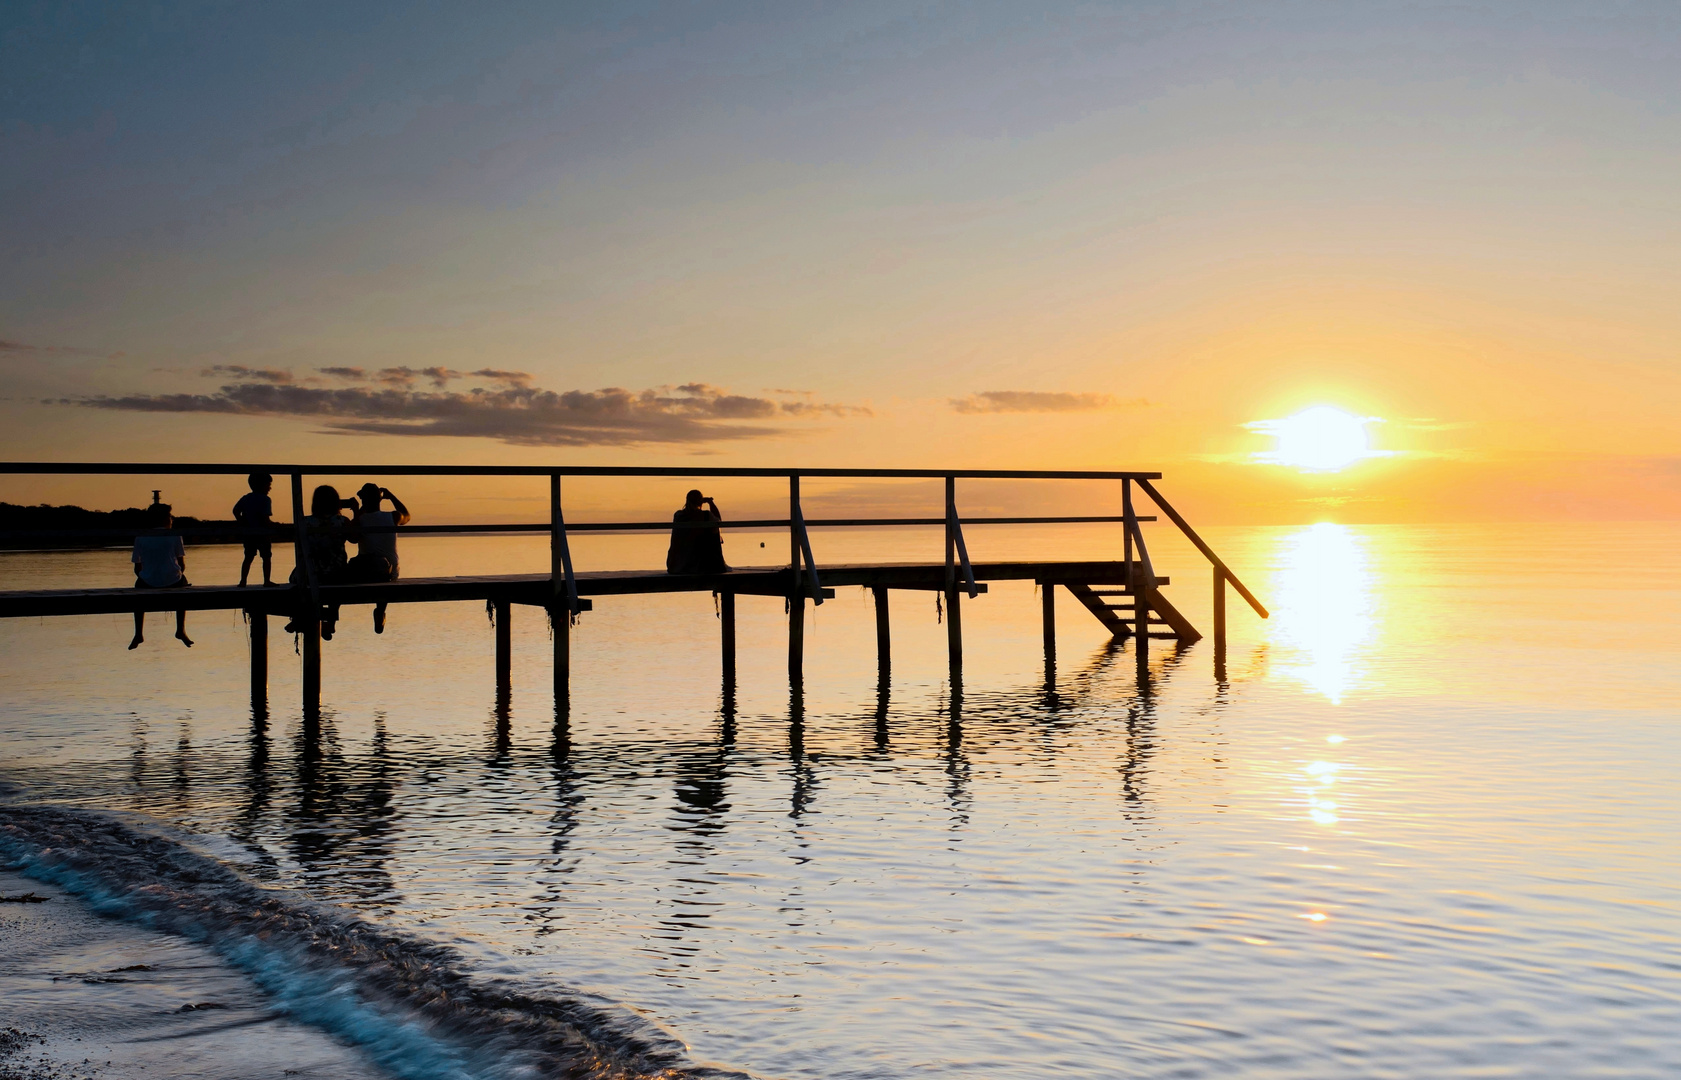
68, 528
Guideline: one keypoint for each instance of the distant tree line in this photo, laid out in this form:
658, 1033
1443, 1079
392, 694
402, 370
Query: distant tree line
34, 528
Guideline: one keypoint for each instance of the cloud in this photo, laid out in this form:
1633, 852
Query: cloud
1034, 401
240, 371
513, 412
513, 378
407, 376
822, 408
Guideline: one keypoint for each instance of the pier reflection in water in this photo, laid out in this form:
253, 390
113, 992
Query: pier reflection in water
1044, 867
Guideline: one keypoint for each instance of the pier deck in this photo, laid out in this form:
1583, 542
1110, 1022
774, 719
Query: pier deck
537, 589
1124, 595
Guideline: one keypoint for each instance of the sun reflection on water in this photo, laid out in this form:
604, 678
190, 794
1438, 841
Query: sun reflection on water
1325, 618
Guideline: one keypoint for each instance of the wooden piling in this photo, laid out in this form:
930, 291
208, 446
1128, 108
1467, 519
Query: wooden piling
504, 646
954, 628
562, 620
560, 602
954, 615
796, 638
1047, 603
884, 637
1142, 634
1219, 623
726, 627
312, 667
259, 661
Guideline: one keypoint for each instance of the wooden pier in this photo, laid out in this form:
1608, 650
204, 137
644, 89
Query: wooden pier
1124, 595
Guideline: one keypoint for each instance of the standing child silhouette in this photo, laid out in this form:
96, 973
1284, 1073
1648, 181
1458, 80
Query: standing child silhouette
254, 511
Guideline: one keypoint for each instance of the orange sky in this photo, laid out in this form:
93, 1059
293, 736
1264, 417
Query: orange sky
1137, 232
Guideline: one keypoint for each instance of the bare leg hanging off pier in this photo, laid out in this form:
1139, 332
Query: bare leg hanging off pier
180, 629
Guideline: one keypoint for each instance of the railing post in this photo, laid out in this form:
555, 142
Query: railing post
796, 594
561, 592
954, 611
303, 569
1143, 583
1126, 529
300, 558
951, 541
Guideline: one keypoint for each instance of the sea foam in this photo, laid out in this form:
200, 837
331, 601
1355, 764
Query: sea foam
410, 1004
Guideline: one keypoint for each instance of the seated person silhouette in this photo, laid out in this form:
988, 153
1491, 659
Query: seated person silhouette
324, 548
376, 559
696, 549
253, 511
160, 562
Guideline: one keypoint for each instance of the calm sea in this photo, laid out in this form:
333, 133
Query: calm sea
1427, 827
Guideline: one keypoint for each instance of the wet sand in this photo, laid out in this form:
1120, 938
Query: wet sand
100, 998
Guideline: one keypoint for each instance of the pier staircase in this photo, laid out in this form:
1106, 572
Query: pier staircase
1134, 604
1117, 610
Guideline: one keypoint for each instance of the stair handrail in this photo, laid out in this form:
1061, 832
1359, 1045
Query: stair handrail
1208, 552
560, 550
797, 523
954, 532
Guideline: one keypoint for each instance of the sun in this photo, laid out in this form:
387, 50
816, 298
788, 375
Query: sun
1320, 439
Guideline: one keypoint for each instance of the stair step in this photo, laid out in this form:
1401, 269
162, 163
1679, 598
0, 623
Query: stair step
1116, 607
1121, 618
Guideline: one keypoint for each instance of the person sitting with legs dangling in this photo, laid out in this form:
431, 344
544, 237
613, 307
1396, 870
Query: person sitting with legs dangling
160, 562
376, 559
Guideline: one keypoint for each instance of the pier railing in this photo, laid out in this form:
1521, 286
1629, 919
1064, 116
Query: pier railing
804, 578
795, 522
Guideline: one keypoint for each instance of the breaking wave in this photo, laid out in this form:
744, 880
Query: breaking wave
409, 1003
